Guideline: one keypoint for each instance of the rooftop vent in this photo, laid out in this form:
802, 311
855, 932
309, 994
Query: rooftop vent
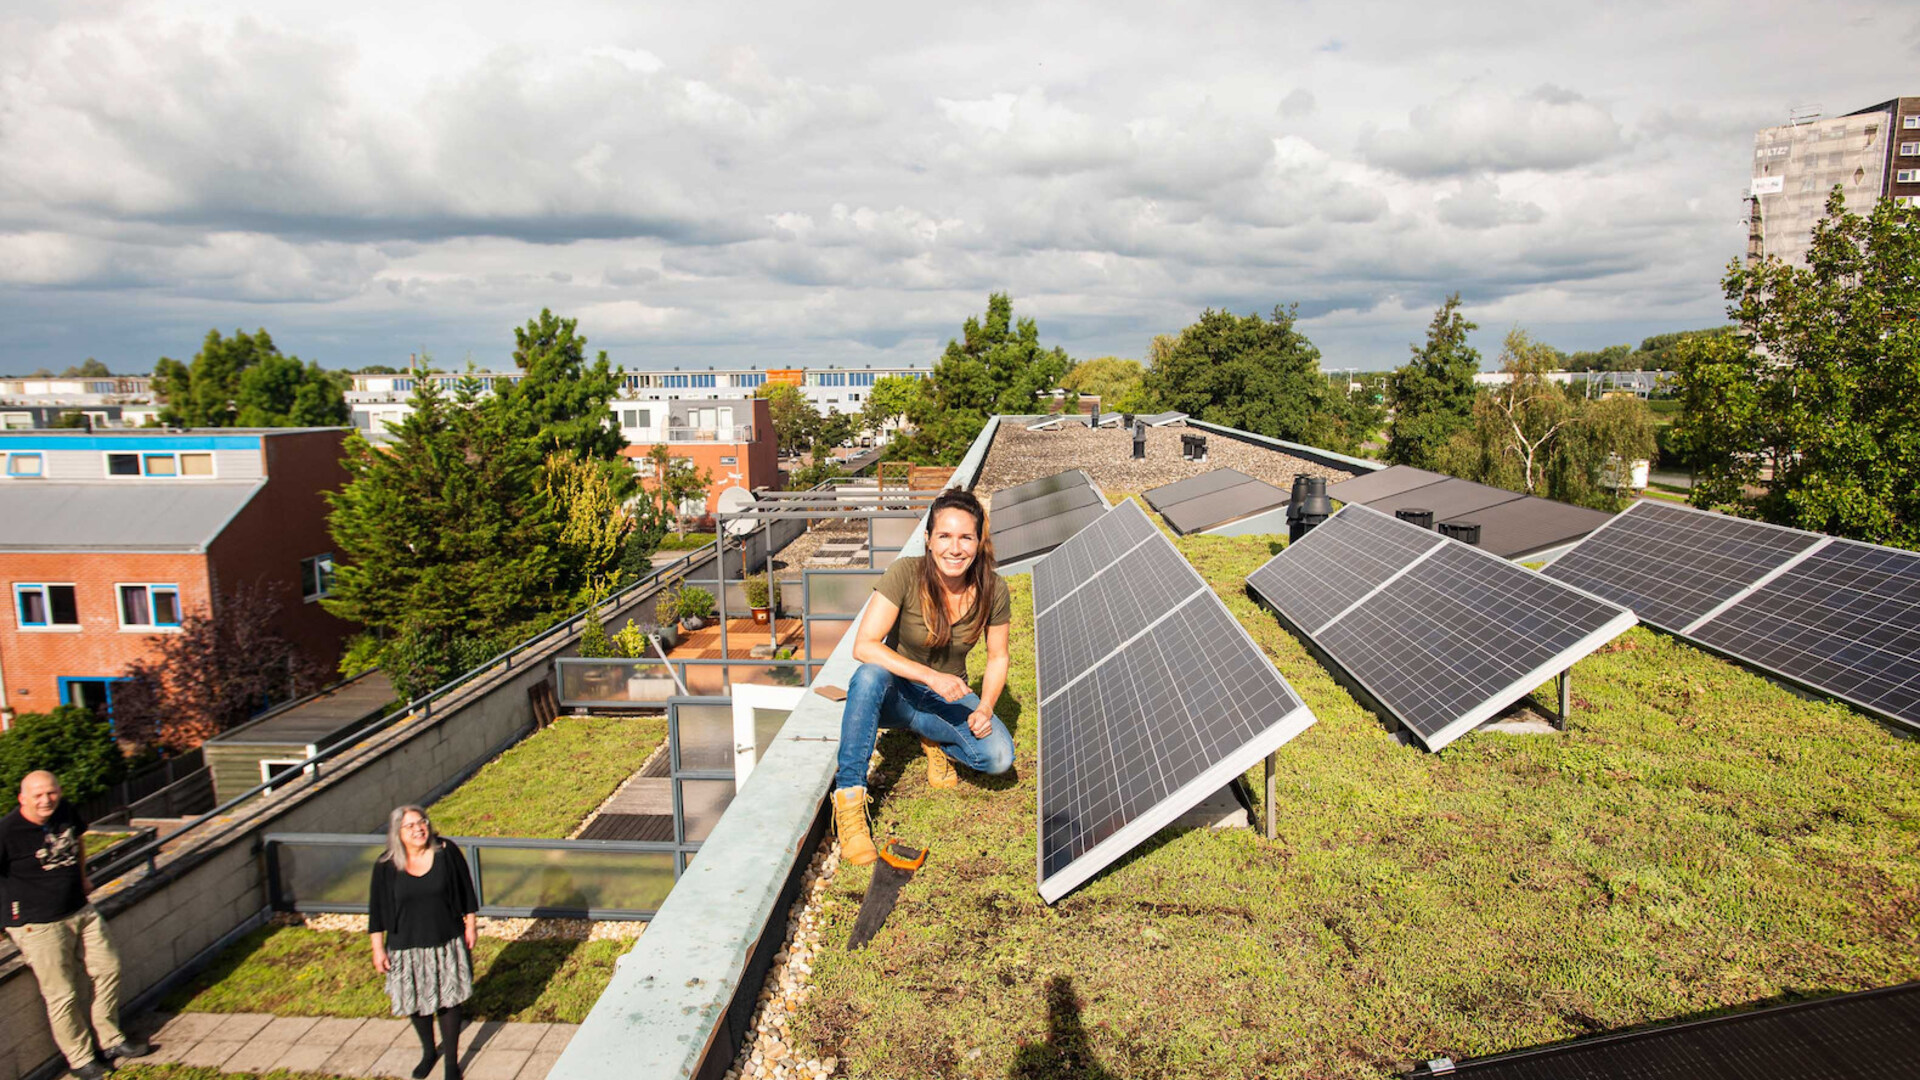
1308, 506
1420, 518
1461, 531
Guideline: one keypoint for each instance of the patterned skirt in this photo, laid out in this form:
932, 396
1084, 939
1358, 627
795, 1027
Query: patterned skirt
424, 981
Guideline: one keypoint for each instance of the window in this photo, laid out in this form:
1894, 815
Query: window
1911, 123
147, 607
703, 380
729, 461
160, 464
16, 421
674, 382
636, 418
1907, 176
46, 607
316, 577
89, 692
749, 380
1906, 200
402, 384
25, 464
861, 378
1910, 149
280, 771
123, 464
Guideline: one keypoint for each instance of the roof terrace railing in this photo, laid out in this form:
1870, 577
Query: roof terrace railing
149, 852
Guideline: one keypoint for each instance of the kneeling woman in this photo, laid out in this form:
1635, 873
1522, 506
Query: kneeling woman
912, 645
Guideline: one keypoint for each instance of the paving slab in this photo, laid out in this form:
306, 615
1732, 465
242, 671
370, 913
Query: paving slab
397, 1061
209, 1053
379, 1034
353, 1060
557, 1037
331, 1032
497, 1064
190, 1027
286, 1029
241, 1027
518, 1037
257, 1057
379, 1049
538, 1065
301, 1057
477, 1037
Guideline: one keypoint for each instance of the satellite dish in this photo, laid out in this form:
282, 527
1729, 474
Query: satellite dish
733, 500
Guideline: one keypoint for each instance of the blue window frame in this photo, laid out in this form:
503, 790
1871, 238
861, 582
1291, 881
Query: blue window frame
26, 464
44, 607
149, 606
94, 692
750, 380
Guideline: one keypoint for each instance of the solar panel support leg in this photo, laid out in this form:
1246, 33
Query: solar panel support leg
1566, 698
1269, 803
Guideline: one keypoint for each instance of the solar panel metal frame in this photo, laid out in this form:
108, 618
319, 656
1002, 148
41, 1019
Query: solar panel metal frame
1490, 704
1045, 506
1541, 525
1730, 605
1124, 522
1449, 499
1042, 537
1163, 419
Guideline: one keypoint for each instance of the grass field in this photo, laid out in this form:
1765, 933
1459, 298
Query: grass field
1700, 839
294, 971
546, 786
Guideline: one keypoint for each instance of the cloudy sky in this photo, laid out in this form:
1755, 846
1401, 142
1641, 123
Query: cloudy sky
719, 183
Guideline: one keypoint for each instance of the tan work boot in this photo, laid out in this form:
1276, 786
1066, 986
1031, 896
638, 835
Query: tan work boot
940, 772
850, 823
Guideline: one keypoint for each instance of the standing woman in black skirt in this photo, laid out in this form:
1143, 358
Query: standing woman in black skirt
421, 917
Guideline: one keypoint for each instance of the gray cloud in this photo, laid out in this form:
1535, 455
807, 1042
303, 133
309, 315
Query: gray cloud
1478, 129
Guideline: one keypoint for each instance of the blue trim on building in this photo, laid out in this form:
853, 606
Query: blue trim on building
131, 442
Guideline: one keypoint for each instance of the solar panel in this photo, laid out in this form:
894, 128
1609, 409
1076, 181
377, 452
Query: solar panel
1523, 527
1865, 1036
1673, 564
1085, 553
1447, 499
1037, 538
1042, 506
1193, 487
1046, 485
1441, 635
1163, 419
1151, 696
1378, 485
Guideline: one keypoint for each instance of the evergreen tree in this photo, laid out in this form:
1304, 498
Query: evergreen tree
563, 400
1433, 393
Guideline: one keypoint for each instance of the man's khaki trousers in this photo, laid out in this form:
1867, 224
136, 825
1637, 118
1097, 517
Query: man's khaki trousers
65, 955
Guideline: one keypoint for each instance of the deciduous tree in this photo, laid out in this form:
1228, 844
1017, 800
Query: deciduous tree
794, 418
245, 381
1433, 393
70, 742
1258, 375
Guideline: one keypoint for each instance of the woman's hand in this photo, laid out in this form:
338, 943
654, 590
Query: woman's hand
381, 963
980, 722
472, 932
949, 687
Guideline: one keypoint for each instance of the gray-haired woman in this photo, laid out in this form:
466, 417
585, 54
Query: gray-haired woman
421, 916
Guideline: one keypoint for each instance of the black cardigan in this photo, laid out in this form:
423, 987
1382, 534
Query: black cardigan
416, 920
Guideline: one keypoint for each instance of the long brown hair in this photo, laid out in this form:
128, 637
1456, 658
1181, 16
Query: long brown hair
979, 575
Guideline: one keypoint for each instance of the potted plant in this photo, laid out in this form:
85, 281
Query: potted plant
648, 684
695, 606
763, 595
786, 676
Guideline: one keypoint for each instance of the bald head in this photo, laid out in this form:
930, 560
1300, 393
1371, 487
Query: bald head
39, 796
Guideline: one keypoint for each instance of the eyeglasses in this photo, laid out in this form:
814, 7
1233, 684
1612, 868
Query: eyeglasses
420, 823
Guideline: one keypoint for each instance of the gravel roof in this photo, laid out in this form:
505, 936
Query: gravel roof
1019, 455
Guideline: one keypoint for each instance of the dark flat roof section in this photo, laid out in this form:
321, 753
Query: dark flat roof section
1213, 498
315, 719
1035, 517
1872, 1035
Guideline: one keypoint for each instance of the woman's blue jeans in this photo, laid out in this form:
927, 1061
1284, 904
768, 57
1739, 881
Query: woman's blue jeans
878, 698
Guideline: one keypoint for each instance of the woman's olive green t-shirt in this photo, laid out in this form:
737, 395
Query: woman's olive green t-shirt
901, 584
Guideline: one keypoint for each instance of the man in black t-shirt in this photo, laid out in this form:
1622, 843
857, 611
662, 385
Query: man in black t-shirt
43, 904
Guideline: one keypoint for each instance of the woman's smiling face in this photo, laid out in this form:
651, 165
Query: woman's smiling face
953, 541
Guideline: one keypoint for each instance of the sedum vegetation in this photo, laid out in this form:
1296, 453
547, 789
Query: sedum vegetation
1700, 840
547, 784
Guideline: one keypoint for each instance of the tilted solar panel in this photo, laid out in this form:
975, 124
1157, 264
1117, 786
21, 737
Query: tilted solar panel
1037, 538
1448, 499
1378, 485
1087, 551
1223, 506
1151, 696
1046, 485
1441, 635
1674, 564
1193, 487
1043, 506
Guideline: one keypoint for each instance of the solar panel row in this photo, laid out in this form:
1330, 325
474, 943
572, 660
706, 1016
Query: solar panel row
1028, 520
1512, 525
1213, 498
1840, 616
1151, 696
1441, 635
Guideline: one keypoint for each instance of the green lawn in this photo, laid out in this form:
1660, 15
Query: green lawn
294, 971
1700, 839
546, 786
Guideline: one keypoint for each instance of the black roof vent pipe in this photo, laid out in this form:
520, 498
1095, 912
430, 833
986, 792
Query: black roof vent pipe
1421, 518
1461, 531
1139, 440
1309, 507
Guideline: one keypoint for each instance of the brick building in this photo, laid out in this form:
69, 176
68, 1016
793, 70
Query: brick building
109, 539
732, 441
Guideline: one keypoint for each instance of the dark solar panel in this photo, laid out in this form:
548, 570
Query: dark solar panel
1441, 635
1039, 537
1865, 1036
1523, 527
1673, 564
1193, 487
1845, 620
1461, 636
1332, 567
1089, 549
1046, 485
1091, 622
1042, 506
1448, 499
1146, 735
1220, 507
1378, 485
